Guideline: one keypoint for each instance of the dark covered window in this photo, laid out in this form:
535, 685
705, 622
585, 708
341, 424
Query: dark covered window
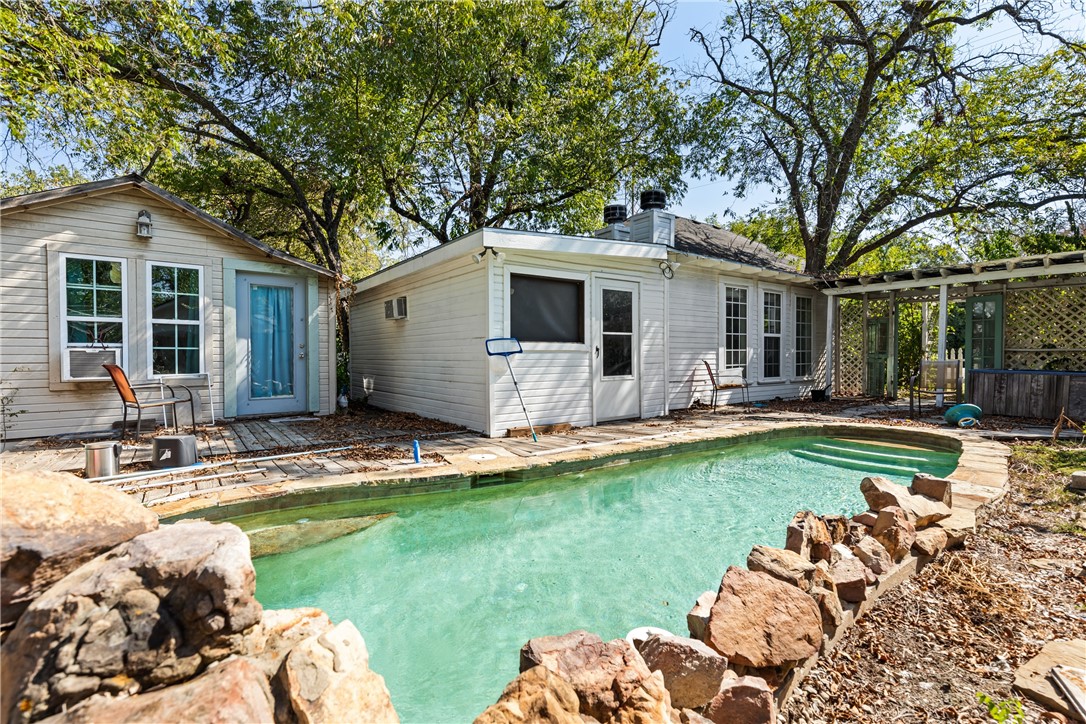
542, 309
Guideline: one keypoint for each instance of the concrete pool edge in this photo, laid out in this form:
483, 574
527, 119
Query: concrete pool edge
981, 466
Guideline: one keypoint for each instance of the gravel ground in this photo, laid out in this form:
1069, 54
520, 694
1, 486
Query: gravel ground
969, 620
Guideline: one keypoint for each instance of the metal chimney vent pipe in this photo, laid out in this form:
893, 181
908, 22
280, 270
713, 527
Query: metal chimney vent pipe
614, 213
653, 199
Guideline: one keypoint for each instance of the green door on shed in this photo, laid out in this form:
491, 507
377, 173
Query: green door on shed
984, 333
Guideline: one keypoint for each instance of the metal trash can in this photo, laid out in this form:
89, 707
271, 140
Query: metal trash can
103, 459
173, 451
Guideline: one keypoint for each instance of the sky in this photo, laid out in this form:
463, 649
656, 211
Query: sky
707, 196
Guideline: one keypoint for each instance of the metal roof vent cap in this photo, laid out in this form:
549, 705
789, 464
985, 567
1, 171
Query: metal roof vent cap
653, 199
614, 213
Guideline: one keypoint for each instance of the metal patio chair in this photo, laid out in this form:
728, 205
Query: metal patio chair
935, 376
729, 379
127, 392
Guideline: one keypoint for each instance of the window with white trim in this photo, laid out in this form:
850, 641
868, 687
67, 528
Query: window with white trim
94, 290
772, 326
545, 309
804, 360
735, 328
176, 319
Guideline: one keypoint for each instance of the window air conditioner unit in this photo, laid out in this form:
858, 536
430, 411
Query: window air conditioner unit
85, 363
396, 308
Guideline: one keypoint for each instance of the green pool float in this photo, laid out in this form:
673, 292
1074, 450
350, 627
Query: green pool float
965, 413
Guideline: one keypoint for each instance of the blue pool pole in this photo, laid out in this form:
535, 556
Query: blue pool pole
418, 453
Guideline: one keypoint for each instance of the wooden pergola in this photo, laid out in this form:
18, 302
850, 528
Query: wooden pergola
1043, 295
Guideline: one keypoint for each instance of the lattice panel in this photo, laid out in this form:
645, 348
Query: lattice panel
1045, 328
850, 347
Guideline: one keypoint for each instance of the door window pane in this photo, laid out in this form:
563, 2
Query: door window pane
175, 336
617, 310
546, 310
617, 355
271, 341
804, 336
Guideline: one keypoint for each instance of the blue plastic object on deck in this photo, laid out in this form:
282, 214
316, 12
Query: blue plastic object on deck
418, 453
967, 422
955, 414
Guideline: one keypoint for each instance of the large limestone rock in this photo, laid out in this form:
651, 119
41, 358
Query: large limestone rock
327, 678
784, 565
692, 671
838, 528
155, 610
761, 622
611, 679
895, 531
536, 695
808, 536
941, 489
873, 555
882, 493
829, 607
851, 578
746, 700
698, 618
268, 643
53, 523
930, 541
233, 692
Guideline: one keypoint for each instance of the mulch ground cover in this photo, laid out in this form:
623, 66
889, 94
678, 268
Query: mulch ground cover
964, 624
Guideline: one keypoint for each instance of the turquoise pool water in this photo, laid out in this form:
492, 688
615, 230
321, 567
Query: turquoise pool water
446, 591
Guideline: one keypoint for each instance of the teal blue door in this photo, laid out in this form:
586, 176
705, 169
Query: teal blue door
271, 341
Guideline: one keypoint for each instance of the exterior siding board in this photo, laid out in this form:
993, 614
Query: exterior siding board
104, 225
431, 363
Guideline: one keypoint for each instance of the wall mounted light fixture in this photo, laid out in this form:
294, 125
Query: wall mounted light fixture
143, 224
478, 258
667, 268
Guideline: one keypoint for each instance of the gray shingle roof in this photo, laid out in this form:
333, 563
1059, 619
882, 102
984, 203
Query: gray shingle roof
695, 237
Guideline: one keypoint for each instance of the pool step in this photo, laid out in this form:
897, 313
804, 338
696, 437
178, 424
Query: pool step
867, 466
859, 453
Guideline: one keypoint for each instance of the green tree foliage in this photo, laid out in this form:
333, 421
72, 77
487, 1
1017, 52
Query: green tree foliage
513, 112
298, 122
877, 120
28, 180
1061, 227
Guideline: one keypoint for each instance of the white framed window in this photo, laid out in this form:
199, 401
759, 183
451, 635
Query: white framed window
772, 333
546, 307
735, 316
804, 336
94, 308
175, 318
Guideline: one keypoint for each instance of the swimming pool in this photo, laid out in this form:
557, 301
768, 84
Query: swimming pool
449, 588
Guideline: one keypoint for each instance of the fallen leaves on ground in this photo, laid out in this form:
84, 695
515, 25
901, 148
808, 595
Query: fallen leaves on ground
965, 623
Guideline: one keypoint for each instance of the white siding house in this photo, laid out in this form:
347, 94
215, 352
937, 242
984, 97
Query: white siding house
189, 300
613, 326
